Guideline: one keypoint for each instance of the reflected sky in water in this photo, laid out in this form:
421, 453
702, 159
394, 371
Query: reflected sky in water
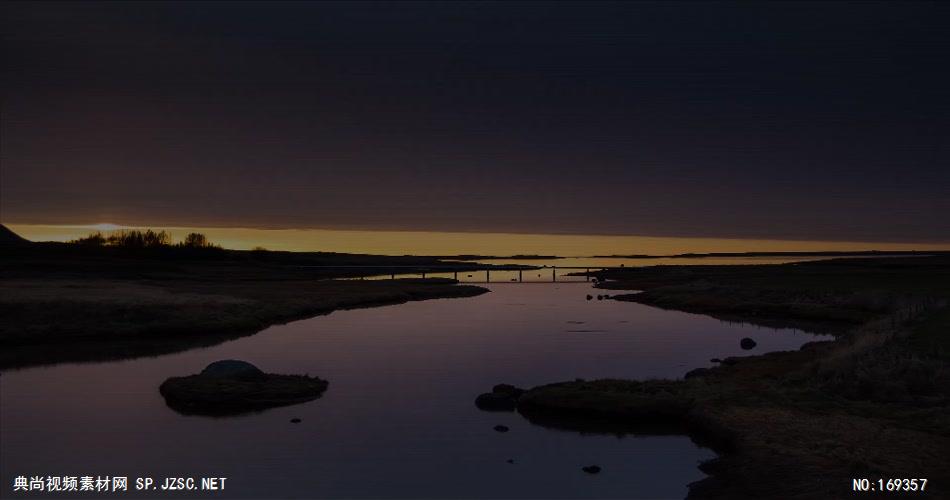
398, 420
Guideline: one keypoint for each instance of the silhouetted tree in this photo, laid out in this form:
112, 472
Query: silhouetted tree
195, 240
134, 238
95, 239
127, 238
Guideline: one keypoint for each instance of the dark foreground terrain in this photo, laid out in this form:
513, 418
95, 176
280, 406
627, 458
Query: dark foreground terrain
62, 302
874, 403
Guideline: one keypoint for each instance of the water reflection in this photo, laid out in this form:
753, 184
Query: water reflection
398, 420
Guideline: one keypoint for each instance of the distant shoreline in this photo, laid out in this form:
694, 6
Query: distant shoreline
468, 257
64, 302
833, 253
395, 242
700, 255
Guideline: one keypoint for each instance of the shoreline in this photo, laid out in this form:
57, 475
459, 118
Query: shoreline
874, 402
227, 319
67, 304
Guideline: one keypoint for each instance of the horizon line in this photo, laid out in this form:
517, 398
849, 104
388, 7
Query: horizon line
108, 226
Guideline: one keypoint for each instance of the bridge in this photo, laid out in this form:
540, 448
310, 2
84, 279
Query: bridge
474, 271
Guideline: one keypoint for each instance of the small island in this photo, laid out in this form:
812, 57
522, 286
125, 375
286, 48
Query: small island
231, 387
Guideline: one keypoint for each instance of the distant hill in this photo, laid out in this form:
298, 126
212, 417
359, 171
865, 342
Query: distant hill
8, 237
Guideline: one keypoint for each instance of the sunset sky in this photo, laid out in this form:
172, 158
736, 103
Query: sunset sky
806, 121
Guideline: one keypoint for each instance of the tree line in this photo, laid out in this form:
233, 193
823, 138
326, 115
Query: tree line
134, 238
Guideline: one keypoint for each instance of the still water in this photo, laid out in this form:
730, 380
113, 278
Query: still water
398, 420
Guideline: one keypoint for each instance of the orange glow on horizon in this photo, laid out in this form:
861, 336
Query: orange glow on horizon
454, 243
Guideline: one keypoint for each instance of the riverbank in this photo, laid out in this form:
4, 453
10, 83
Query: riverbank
61, 303
874, 403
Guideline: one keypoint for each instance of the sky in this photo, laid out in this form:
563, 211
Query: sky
797, 121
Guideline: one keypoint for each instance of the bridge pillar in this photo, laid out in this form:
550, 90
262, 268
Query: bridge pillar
554, 274
456, 274
487, 276
519, 275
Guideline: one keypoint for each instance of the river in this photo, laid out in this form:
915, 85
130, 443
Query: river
398, 419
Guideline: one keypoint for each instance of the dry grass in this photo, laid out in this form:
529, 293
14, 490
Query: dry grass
50, 320
873, 403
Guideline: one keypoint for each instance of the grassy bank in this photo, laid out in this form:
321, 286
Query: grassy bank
70, 303
874, 403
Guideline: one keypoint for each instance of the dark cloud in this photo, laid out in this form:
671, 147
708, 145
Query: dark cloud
782, 120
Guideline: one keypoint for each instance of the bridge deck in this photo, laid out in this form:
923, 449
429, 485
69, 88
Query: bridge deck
487, 269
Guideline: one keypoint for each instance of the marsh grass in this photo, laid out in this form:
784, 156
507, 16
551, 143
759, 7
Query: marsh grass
897, 358
876, 401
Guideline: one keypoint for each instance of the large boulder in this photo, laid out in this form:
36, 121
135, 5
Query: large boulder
746, 343
232, 368
232, 387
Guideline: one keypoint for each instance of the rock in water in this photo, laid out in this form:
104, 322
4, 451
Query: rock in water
501, 428
589, 297
591, 469
295, 420
232, 387
231, 368
503, 397
747, 343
